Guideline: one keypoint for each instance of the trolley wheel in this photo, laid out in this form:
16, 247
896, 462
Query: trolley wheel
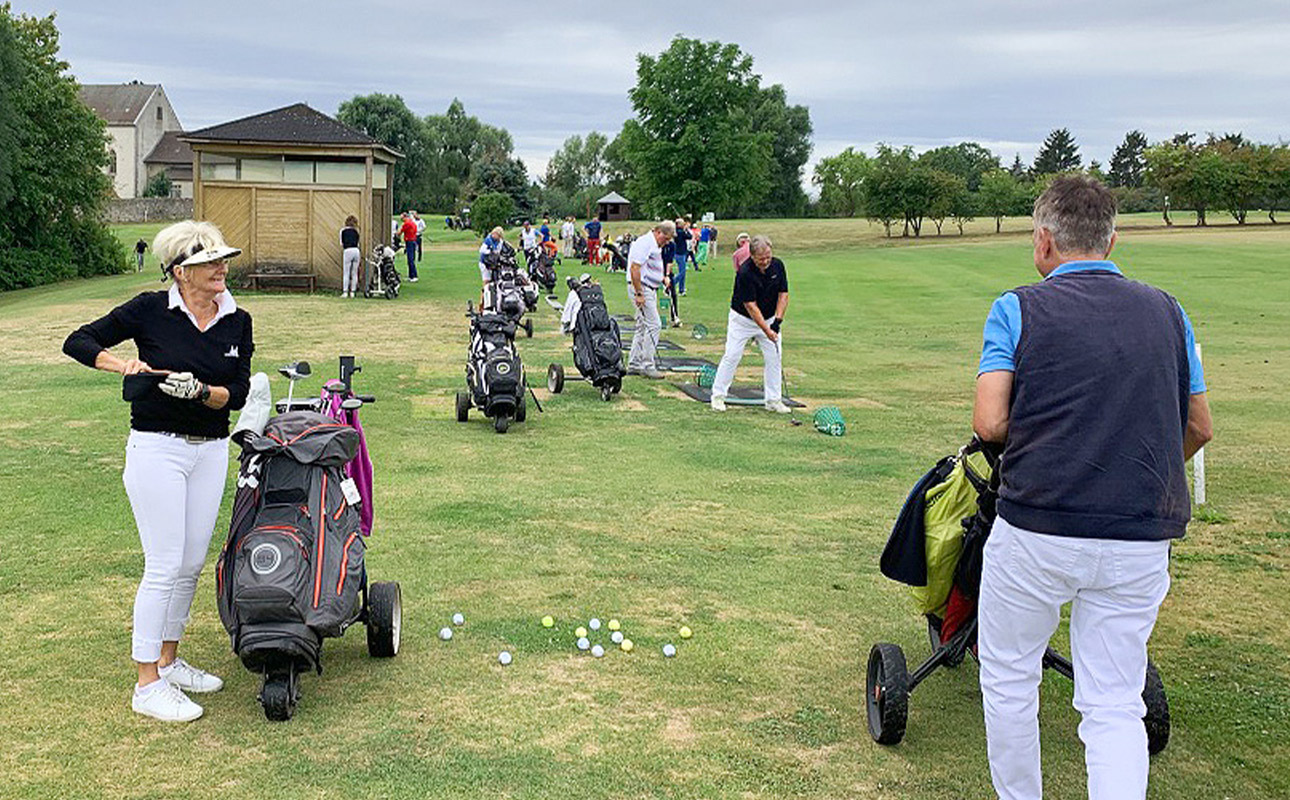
391, 292
1157, 717
384, 619
934, 639
528, 328
463, 406
606, 392
617, 385
886, 696
278, 695
522, 408
501, 423
555, 378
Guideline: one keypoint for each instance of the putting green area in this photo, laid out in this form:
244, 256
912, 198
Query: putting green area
761, 537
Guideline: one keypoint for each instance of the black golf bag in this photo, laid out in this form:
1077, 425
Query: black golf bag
291, 570
494, 373
580, 247
597, 348
617, 257
542, 271
509, 293
382, 276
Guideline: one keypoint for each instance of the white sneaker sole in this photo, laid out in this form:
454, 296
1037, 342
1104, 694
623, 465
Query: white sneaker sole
147, 712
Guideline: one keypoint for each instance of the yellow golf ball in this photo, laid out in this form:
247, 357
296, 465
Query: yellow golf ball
685, 632
614, 624
627, 645
580, 632
548, 621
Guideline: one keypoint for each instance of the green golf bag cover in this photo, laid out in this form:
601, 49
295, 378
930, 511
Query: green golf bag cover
948, 504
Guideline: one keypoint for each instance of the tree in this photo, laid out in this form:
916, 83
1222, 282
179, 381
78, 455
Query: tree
1018, 169
1058, 153
490, 210
692, 145
790, 129
964, 208
1187, 174
158, 185
947, 191
1278, 190
841, 181
1246, 176
387, 119
998, 196
968, 160
1127, 162
53, 150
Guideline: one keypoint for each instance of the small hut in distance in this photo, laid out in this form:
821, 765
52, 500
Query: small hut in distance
613, 207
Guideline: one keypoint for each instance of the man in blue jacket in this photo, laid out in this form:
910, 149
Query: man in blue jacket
1093, 384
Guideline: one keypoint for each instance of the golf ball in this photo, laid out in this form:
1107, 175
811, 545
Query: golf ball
583, 643
597, 650
445, 633
685, 632
616, 637
458, 619
594, 624
627, 645
548, 621
669, 650
614, 625
581, 632
503, 658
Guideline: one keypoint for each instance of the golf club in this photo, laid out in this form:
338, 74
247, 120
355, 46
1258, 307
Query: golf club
783, 382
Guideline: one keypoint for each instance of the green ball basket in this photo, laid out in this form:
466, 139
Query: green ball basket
829, 420
707, 374
699, 330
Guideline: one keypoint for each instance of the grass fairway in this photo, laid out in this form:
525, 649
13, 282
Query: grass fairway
761, 537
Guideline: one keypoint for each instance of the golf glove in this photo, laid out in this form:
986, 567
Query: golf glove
184, 386
775, 322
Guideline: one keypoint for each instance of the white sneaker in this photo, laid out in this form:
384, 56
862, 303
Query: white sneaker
718, 403
778, 407
413, 280
189, 678
162, 700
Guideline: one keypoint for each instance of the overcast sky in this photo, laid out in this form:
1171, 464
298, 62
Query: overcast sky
921, 73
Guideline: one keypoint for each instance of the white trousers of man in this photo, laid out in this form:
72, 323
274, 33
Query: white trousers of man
175, 489
1115, 589
739, 329
645, 338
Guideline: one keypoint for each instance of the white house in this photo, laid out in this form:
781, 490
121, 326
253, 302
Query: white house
138, 115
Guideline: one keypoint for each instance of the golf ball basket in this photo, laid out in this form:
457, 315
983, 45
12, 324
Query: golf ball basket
829, 420
699, 330
707, 376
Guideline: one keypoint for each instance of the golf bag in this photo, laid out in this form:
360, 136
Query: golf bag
542, 271
382, 277
597, 347
509, 293
494, 373
580, 247
291, 570
617, 256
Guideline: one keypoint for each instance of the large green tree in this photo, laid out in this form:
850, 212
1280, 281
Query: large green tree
1127, 162
968, 160
386, 118
841, 179
693, 145
53, 150
1058, 153
790, 128
998, 196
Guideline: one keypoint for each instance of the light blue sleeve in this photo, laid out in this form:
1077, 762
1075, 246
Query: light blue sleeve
1002, 332
1194, 368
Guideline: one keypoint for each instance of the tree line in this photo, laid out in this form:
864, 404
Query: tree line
958, 183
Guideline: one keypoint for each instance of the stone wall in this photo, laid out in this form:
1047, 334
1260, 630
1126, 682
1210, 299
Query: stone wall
149, 209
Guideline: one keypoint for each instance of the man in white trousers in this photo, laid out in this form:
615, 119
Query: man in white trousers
1092, 383
756, 311
644, 278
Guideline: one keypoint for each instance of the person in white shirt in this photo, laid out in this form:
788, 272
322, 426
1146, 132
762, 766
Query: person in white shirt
644, 277
566, 236
529, 238
421, 229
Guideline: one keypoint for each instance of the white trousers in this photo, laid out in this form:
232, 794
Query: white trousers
1115, 589
349, 270
645, 338
739, 329
175, 490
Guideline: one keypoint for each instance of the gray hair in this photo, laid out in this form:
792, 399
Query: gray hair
1079, 212
667, 226
759, 243
184, 238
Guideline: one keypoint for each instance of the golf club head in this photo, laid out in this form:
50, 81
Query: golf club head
295, 370
353, 404
699, 330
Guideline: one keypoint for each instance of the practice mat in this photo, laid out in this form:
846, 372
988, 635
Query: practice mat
740, 394
682, 363
663, 344
554, 303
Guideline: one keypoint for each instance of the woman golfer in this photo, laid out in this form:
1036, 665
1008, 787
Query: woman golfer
176, 457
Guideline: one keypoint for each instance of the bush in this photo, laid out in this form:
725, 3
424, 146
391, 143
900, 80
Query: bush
158, 186
490, 210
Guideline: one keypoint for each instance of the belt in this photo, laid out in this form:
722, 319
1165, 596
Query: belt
188, 437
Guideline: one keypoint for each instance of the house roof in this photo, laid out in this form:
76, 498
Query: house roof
294, 124
170, 150
614, 197
117, 103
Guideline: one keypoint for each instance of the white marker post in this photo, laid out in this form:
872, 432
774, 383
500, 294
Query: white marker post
1198, 463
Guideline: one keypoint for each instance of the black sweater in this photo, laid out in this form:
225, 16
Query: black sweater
168, 339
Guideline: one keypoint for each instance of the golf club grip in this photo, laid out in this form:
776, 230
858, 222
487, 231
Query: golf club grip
366, 398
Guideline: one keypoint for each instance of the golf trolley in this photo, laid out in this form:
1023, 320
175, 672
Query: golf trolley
888, 681
495, 381
509, 293
618, 250
597, 346
542, 269
292, 571
382, 276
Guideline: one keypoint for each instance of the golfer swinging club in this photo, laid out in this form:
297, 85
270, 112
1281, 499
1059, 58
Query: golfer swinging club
644, 277
756, 312
1092, 383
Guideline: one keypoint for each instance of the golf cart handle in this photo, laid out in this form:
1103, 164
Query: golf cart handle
366, 398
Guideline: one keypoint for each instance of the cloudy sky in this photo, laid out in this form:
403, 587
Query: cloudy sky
921, 73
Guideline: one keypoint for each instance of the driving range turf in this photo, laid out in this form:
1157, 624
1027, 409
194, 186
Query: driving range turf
762, 537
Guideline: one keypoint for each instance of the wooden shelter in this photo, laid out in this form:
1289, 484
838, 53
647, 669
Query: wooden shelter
613, 207
280, 185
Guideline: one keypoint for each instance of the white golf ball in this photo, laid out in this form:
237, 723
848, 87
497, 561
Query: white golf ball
616, 637
597, 650
594, 624
584, 643
669, 650
458, 619
445, 634
504, 658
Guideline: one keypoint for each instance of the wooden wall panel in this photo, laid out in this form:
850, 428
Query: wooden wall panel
282, 230
229, 207
328, 216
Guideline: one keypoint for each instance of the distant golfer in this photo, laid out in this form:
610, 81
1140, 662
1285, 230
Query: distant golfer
491, 245
644, 277
756, 312
140, 247
1092, 383
176, 458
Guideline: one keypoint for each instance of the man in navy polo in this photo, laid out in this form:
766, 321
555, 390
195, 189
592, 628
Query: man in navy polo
1092, 383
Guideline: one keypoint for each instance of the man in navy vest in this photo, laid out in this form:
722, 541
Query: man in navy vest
1093, 384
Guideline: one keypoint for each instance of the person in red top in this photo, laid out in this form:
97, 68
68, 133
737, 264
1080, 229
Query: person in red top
409, 233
